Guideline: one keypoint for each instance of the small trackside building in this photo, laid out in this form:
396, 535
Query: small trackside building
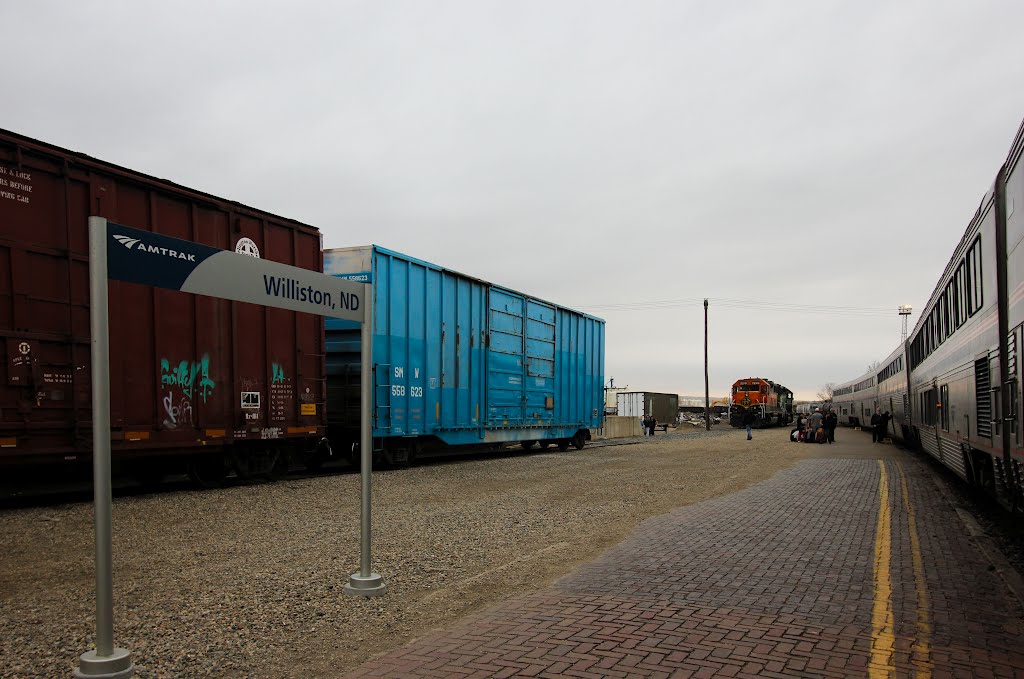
664, 407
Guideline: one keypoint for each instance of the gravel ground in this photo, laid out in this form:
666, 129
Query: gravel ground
247, 581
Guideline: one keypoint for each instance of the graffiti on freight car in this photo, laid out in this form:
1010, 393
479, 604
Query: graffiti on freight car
278, 373
15, 185
178, 412
188, 376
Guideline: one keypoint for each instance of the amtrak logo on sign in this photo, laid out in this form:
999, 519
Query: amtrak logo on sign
246, 246
126, 241
136, 244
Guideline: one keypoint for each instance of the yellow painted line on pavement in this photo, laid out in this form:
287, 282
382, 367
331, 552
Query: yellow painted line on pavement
920, 658
883, 638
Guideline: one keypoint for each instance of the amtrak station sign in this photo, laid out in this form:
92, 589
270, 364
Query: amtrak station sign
125, 254
137, 256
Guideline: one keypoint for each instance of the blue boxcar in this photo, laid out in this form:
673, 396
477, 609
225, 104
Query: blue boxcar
460, 361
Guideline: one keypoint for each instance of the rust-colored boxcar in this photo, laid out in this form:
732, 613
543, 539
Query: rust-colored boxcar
207, 380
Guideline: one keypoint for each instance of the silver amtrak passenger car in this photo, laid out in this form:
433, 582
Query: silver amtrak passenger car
953, 389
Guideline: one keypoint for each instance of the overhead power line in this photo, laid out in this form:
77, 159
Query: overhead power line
741, 304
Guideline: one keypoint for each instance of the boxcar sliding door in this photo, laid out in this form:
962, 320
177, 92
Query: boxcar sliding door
540, 363
506, 394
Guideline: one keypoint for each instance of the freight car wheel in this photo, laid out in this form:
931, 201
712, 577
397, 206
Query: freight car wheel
315, 459
401, 456
149, 474
544, 445
414, 452
208, 471
563, 444
527, 444
279, 466
579, 440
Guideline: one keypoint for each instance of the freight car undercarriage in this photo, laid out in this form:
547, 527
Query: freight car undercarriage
208, 466
246, 462
403, 451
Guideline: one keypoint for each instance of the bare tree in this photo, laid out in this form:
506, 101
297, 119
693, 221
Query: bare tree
873, 366
825, 391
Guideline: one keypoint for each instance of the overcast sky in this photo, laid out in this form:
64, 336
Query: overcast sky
600, 155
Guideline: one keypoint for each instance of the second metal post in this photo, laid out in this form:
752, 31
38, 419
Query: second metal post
366, 582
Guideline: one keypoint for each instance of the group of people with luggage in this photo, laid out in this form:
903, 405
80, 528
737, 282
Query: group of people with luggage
819, 427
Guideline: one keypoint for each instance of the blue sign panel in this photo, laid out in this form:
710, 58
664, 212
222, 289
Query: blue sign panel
146, 258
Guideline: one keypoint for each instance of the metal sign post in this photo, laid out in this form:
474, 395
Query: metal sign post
107, 660
365, 582
122, 253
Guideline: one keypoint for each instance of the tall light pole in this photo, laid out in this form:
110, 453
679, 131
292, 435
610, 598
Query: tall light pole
707, 398
905, 310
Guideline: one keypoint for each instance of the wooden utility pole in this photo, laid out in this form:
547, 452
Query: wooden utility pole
707, 398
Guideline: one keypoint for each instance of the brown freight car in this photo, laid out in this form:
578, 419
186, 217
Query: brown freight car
208, 382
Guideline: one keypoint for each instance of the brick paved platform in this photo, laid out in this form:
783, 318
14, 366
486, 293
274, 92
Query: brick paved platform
853, 564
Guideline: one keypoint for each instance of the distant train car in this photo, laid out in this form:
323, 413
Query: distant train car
954, 388
884, 389
807, 408
460, 361
771, 403
195, 383
854, 401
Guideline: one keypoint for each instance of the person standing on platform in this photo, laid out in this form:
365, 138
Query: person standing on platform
876, 420
643, 424
815, 423
748, 422
831, 422
653, 424
883, 426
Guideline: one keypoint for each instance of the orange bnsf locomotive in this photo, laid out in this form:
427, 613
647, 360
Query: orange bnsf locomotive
772, 403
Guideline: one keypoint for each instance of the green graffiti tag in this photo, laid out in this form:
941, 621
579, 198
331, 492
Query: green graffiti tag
187, 376
278, 371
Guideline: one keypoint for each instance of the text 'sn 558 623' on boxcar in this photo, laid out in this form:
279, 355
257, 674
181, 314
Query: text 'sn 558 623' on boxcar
198, 383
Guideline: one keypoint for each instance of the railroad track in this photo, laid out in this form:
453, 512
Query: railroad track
33, 489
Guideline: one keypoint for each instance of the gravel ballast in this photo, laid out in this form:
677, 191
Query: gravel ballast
248, 580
